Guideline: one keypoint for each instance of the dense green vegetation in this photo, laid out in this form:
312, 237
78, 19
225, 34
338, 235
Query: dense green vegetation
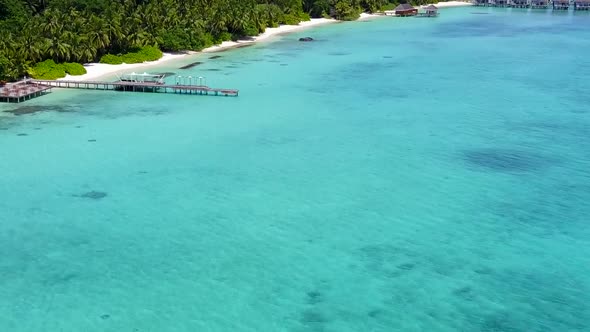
49, 70
146, 53
115, 31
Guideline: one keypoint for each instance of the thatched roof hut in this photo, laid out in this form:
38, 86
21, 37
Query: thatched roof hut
431, 10
405, 9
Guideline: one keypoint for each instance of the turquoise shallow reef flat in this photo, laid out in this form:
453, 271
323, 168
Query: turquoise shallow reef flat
394, 175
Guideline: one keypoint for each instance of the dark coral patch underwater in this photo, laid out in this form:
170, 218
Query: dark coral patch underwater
504, 160
94, 195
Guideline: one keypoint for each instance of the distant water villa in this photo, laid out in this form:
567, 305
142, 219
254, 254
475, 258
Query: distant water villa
406, 9
429, 11
536, 4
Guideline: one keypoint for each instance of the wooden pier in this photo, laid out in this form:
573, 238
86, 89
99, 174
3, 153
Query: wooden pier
30, 88
22, 90
139, 87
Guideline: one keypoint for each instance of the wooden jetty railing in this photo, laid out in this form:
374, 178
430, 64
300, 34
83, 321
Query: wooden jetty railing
139, 87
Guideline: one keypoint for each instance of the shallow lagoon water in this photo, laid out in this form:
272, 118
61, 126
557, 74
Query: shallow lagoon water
395, 175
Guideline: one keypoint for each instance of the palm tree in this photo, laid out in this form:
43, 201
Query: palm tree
75, 42
30, 46
111, 27
57, 49
87, 52
53, 23
98, 33
16, 62
259, 19
36, 6
137, 38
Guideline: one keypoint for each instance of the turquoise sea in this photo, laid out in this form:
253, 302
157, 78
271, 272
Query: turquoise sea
395, 175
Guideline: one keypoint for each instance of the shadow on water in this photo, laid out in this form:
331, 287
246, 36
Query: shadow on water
505, 160
24, 110
191, 65
79, 106
387, 261
339, 53
166, 74
92, 195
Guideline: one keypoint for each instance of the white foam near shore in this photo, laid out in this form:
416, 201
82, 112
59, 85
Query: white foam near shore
98, 70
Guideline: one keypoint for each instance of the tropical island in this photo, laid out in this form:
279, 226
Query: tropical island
51, 38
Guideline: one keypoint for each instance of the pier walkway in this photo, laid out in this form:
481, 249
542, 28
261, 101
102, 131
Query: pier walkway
30, 88
139, 87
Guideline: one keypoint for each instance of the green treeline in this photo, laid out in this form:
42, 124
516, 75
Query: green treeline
80, 31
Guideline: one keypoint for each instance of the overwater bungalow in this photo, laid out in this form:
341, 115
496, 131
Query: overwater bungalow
480, 3
561, 4
501, 3
432, 11
519, 3
539, 4
405, 9
582, 5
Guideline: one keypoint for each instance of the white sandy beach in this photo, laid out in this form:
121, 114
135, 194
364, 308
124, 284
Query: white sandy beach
451, 4
271, 32
98, 70
367, 16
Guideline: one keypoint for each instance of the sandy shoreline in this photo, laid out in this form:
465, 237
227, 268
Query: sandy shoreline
98, 70
270, 32
450, 4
